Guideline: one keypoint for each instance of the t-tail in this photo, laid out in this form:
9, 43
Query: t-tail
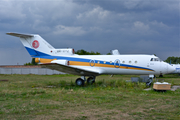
37, 46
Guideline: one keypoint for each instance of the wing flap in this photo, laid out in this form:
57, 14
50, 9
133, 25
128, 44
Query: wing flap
70, 69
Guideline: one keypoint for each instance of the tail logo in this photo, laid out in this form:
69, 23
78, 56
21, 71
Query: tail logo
35, 44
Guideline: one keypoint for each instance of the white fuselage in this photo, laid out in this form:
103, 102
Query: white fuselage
177, 67
127, 64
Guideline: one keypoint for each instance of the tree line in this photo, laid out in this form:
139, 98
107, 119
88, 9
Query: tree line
32, 62
83, 52
173, 60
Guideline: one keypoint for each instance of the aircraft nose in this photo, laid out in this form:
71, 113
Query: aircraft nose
171, 68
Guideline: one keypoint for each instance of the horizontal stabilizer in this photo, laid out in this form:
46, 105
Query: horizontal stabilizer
20, 35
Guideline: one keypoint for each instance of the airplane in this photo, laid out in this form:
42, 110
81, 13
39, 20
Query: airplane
177, 67
65, 60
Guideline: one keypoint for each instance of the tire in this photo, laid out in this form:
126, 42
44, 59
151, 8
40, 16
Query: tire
79, 82
90, 80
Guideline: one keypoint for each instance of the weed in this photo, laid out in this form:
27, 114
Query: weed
172, 82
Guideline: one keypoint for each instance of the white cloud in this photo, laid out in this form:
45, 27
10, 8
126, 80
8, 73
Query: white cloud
130, 4
140, 26
97, 13
97, 29
75, 31
160, 25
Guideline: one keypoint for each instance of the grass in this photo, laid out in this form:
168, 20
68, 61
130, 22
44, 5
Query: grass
57, 97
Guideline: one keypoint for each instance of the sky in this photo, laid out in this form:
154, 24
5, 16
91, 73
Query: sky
131, 26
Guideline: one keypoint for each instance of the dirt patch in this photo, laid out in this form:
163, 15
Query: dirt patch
93, 114
4, 80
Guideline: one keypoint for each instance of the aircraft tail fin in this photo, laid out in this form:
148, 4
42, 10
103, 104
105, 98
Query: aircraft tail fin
34, 44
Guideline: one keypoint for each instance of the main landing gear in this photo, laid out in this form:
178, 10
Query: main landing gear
81, 81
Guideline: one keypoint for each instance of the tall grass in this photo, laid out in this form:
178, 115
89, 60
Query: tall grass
120, 83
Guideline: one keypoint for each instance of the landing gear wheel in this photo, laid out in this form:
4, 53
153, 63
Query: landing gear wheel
79, 82
90, 80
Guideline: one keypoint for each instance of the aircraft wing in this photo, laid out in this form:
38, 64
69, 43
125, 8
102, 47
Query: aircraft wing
70, 69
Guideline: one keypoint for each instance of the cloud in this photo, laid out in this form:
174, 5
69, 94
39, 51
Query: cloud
97, 13
140, 27
132, 26
9, 10
75, 31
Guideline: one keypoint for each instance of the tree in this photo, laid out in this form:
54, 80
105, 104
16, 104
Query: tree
83, 52
173, 60
32, 62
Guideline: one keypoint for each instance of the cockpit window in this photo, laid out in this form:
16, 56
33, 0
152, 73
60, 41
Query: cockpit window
155, 59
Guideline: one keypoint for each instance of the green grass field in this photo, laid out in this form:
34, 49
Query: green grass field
57, 97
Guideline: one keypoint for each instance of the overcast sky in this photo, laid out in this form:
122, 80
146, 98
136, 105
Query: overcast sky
131, 26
